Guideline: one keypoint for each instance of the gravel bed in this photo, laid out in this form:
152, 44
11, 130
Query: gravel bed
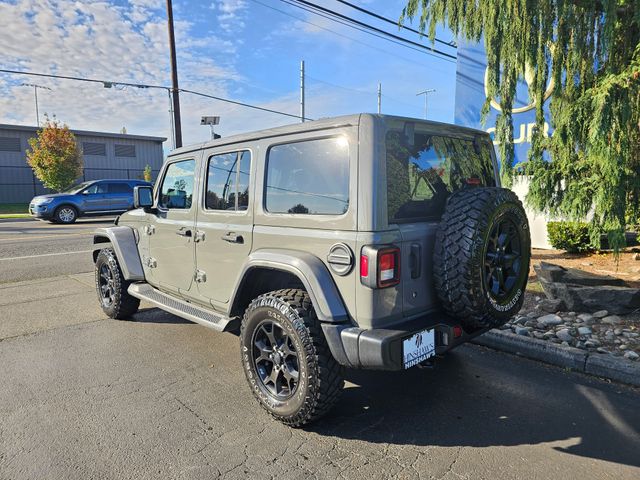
596, 332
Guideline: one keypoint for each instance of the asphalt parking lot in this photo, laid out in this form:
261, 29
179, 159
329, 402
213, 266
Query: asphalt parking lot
159, 397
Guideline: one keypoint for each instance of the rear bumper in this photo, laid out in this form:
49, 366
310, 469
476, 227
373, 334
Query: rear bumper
381, 348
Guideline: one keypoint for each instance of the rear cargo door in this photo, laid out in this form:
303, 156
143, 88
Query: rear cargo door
423, 168
417, 266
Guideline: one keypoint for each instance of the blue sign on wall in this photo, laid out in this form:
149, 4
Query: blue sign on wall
471, 93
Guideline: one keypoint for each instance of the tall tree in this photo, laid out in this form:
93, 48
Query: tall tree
55, 156
590, 49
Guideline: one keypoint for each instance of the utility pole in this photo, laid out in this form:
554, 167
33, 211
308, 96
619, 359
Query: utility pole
302, 91
379, 98
35, 92
173, 128
174, 78
426, 98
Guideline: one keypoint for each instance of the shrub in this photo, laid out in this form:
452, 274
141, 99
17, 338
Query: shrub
55, 157
147, 173
573, 237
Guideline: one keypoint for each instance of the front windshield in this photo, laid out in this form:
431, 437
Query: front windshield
77, 188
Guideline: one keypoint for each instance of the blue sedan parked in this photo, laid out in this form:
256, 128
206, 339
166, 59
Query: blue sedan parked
100, 197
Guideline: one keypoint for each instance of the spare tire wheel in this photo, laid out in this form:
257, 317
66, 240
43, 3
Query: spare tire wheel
481, 257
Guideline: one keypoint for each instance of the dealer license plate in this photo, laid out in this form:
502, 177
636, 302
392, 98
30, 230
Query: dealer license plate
418, 347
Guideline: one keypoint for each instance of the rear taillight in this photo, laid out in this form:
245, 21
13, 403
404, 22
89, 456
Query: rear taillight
388, 267
386, 263
457, 331
364, 266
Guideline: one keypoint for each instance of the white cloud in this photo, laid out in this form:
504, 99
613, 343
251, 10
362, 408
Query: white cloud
97, 39
231, 14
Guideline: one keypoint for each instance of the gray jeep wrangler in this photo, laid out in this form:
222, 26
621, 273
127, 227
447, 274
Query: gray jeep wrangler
364, 241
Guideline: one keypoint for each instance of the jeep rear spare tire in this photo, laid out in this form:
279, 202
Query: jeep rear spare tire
481, 257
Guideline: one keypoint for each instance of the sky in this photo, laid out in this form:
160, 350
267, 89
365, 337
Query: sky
245, 50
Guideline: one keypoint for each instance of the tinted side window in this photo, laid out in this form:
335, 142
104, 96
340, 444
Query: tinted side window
308, 177
422, 173
97, 188
177, 185
120, 188
228, 181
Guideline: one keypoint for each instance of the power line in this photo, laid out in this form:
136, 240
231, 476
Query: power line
388, 20
109, 84
242, 104
365, 92
397, 38
421, 49
338, 33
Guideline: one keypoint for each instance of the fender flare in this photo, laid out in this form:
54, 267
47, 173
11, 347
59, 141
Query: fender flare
123, 241
311, 271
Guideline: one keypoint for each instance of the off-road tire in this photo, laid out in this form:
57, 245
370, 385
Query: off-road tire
122, 305
320, 376
460, 256
58, 215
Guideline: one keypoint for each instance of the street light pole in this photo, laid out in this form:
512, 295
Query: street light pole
426, 98
302, 91
175, 90
35, 93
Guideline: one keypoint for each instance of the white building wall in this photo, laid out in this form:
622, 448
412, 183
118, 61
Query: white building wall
537, 221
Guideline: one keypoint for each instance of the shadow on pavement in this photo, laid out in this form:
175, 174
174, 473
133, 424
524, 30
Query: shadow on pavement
155, 315
462, 404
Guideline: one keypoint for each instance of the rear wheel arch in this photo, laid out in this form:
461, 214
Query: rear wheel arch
259, 280
289, 269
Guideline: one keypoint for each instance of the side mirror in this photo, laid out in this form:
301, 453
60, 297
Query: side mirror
142, 196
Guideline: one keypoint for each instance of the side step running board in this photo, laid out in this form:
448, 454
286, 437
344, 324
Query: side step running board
181, 308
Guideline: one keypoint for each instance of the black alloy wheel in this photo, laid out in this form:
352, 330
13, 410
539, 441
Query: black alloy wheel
286, 358
106, 286
111, 287
276, 360
502, 260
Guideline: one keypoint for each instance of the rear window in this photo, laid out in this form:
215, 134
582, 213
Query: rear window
424, 169
308, 177
120, 188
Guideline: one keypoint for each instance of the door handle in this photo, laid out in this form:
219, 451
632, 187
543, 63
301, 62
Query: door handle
232, 237
184, 232
415, 260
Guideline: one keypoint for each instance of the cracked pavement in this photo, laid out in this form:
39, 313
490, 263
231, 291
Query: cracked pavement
157, 397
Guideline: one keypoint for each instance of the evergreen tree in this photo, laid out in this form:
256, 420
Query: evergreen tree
590, 49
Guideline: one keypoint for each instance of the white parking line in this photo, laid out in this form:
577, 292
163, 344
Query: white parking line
38, 237
44, 255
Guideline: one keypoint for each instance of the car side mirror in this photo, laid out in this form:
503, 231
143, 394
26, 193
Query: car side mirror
142, 196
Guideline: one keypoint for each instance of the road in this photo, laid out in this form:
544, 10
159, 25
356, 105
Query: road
33, 249
159, 397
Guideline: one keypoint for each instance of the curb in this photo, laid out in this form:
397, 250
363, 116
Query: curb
607, 366
17, 219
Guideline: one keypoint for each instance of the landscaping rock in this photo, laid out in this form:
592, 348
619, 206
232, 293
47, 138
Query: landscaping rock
612, 320
550, 319
584, 331
586, 317
522, 331
600, 314
586, 291
564, 335
550, 273
552, 305
631, 355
